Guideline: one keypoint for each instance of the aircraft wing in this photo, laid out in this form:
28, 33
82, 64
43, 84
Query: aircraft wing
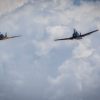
11, 37
70, 38
89, 33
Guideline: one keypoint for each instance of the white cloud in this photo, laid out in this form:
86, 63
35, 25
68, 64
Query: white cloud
78, 74
56, 31
10, 5
27, 62
83, 49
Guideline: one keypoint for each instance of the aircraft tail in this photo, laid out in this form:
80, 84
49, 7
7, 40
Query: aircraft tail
6, 34
74, 30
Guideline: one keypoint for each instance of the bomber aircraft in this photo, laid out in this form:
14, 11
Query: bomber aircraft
77, 35
4, 37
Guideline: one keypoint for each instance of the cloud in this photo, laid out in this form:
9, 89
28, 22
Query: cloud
76, 78
83, 50
91, 0
35, 66
10, 5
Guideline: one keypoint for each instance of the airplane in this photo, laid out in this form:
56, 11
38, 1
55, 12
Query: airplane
76, 35
4, 37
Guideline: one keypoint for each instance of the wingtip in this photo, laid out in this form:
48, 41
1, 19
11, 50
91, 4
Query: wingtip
97, 30
19, 35
56, 39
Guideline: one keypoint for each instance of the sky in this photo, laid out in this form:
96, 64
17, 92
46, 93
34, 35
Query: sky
34, 66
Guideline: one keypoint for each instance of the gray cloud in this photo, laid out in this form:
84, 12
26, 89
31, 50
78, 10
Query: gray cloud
91, 0
10, 5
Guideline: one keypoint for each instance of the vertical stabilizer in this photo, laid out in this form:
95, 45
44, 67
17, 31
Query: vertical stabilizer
6, 34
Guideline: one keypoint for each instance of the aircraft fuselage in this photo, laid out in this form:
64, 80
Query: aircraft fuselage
76, 35
78, 38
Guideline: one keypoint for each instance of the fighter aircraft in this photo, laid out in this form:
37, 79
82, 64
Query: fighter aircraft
4, 37
77, 35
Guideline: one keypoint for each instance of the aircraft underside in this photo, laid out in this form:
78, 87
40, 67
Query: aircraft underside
78, 38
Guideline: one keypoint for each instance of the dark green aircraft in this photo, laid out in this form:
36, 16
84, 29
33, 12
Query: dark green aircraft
77, 35
4, 37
